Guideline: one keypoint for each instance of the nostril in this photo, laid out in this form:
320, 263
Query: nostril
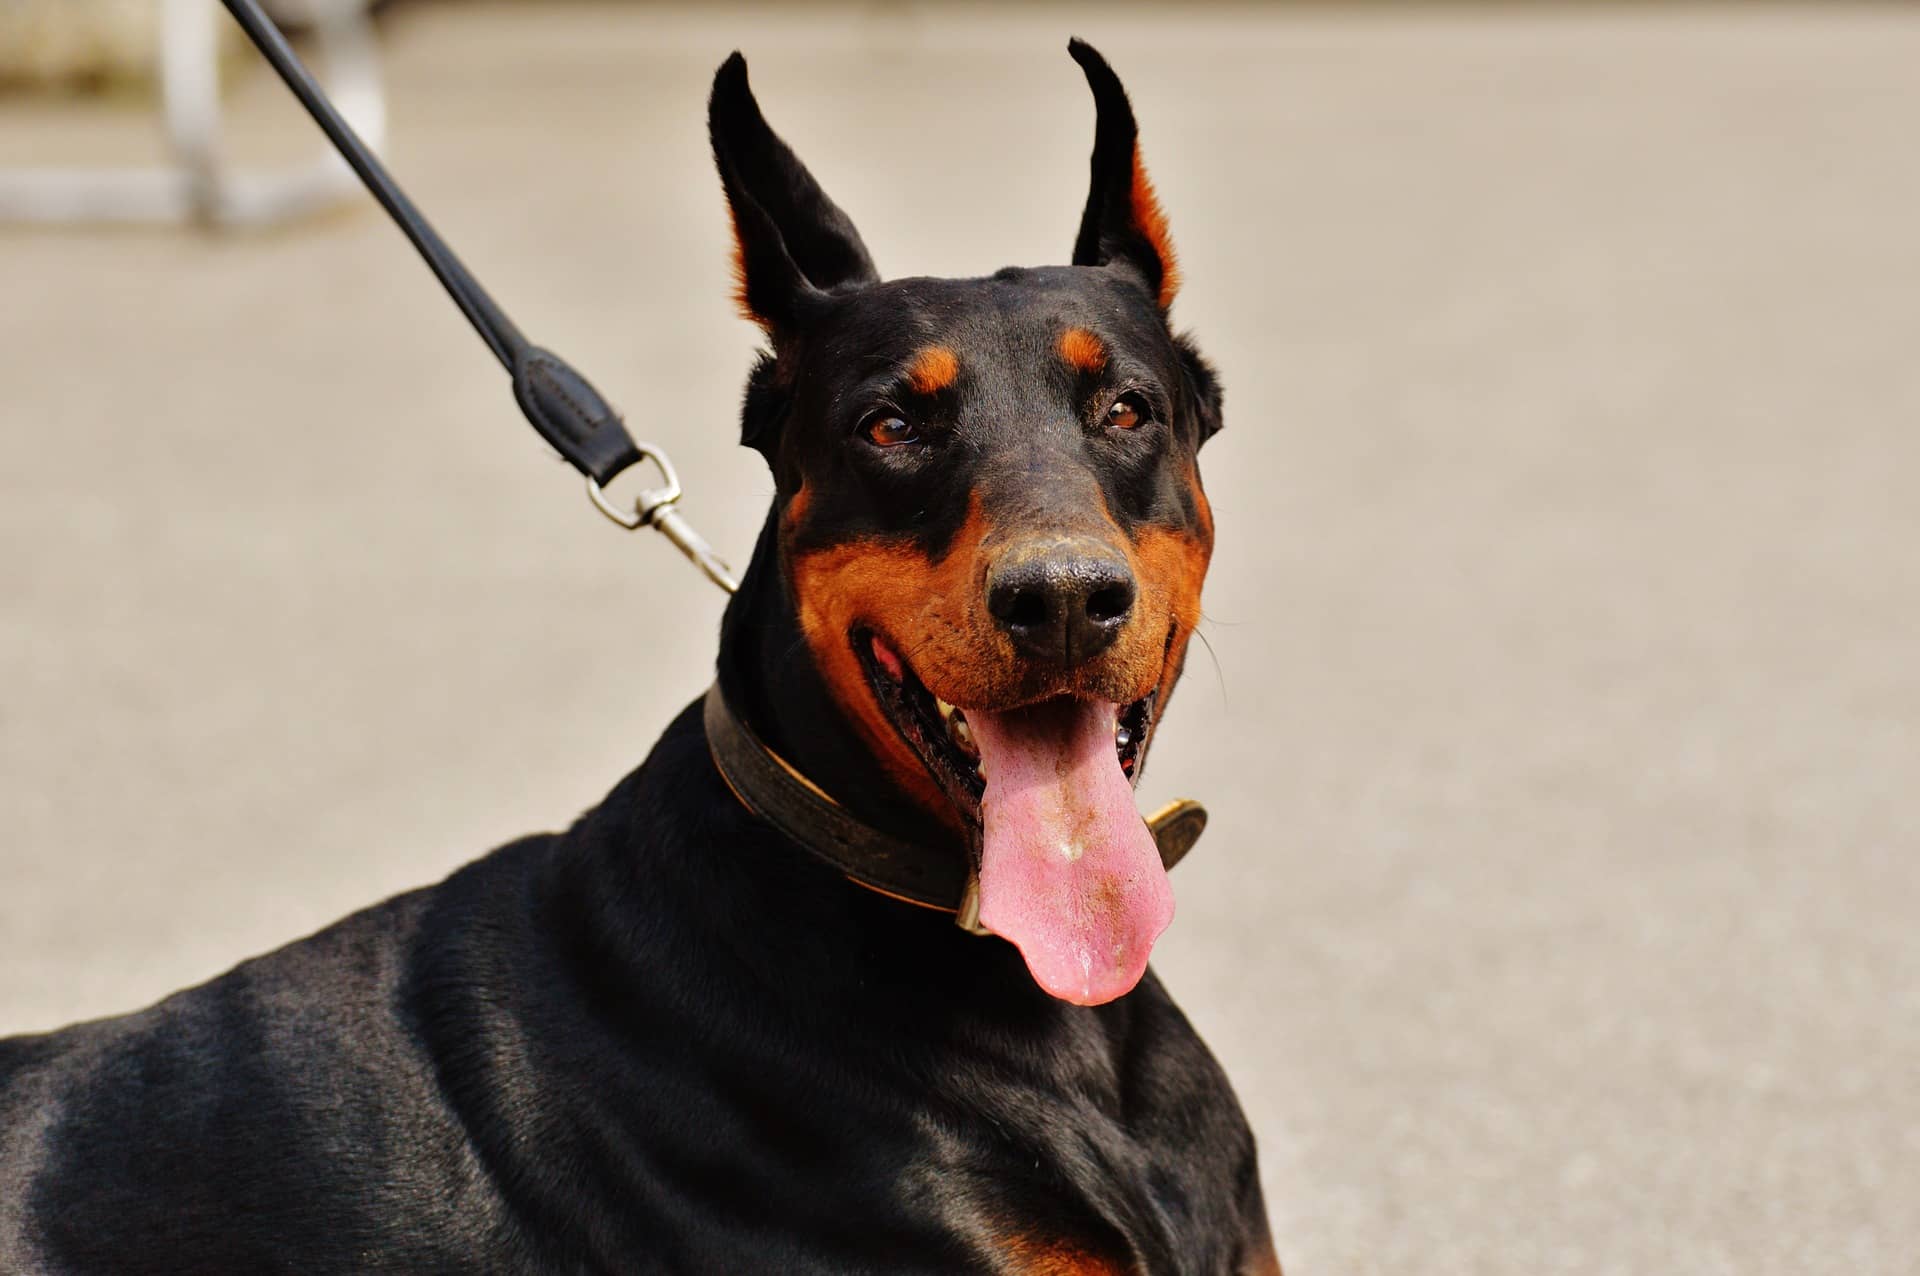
1027, 610
1061, 600
1104, 606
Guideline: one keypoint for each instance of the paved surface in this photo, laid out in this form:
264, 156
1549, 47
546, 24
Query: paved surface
1560, 912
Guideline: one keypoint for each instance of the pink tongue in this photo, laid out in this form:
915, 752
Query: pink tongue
1068, 871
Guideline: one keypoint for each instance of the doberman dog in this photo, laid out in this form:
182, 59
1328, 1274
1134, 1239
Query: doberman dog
677, 1037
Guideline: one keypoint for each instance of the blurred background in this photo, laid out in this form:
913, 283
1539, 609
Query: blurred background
1561, 911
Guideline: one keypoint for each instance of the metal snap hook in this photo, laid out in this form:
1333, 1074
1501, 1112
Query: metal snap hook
654, 507
649, 500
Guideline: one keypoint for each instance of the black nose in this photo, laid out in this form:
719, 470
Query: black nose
1062, 600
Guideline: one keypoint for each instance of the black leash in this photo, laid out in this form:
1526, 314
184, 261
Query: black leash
557, 400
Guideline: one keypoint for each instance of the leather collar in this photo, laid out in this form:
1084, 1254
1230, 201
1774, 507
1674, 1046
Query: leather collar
931, 876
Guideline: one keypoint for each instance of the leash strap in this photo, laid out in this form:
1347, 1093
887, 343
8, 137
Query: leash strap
560, 403
556, 399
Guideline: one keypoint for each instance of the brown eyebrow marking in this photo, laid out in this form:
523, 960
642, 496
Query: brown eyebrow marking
1082, 351
934, 369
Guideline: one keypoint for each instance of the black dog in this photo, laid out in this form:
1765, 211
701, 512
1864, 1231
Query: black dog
677, 1038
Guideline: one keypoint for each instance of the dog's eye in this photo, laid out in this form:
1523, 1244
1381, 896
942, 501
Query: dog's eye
884, 429
1128, 411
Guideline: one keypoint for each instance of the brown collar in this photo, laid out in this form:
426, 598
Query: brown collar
931, 876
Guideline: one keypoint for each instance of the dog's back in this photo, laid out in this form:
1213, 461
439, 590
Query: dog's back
287, 1107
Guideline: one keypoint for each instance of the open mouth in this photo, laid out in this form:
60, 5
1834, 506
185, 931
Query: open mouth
940, 733
1065, 867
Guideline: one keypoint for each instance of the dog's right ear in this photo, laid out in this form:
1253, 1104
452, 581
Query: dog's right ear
792, 245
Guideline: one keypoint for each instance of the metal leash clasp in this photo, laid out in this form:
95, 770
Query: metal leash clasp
654, 507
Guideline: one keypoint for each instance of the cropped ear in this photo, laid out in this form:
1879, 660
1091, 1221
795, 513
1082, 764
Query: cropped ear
792, 245
1123, 225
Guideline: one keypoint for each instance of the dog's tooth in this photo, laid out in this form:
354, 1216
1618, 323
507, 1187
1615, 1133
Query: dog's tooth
946, 710
1122, 737
962, 735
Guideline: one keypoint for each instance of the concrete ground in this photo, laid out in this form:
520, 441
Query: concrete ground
1562, 907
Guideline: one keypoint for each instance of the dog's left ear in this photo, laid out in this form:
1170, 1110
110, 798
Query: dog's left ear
1123, 225
1203, 384
793, 245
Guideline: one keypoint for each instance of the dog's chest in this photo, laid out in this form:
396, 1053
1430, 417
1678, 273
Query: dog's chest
981, 1171
1069, 1180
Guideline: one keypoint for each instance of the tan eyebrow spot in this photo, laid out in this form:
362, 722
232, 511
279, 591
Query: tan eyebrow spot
933, 370
1082, 351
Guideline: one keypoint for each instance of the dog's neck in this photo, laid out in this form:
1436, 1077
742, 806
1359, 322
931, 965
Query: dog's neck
767, 670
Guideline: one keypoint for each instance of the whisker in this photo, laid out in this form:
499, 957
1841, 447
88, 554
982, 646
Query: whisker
1219, 673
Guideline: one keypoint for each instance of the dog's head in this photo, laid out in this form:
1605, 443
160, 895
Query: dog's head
990, 520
